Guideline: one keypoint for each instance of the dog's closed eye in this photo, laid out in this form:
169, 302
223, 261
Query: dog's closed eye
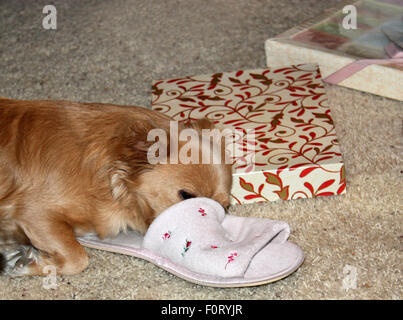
185, 195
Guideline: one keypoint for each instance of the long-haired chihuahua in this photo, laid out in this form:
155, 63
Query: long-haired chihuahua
68, 169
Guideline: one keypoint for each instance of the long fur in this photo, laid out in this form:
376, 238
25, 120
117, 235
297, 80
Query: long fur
68, 169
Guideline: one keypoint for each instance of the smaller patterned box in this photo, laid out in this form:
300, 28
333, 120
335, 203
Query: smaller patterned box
296, 151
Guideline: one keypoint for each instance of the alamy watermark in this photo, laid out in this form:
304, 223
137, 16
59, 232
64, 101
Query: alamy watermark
210, 146
350, 19
49, 22
350, 278
50, 281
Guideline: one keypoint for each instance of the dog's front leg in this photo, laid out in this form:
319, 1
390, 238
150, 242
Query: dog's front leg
54, 245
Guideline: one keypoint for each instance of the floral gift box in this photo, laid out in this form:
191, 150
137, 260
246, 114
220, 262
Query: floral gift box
294, 144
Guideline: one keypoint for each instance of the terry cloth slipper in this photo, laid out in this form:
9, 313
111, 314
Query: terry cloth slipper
195, 240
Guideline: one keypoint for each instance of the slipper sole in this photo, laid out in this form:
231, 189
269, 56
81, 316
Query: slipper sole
185, 274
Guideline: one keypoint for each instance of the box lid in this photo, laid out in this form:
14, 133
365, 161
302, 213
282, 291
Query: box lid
285, 106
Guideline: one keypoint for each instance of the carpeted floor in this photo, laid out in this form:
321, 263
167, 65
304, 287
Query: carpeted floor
110, 51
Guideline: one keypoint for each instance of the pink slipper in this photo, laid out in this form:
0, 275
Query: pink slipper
195, 240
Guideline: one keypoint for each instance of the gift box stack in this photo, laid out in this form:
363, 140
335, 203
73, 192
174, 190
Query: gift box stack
296, 151
366, 55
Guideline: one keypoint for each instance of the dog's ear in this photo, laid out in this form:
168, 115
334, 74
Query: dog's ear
145, 214
135, 145
131, 155
122, 186
119, 173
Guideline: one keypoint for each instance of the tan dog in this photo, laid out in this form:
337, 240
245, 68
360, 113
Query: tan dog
67, 169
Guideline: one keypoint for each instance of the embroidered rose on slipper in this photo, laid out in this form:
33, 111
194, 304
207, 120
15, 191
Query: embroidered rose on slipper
231, 258
202, 212
166, 235
186, 247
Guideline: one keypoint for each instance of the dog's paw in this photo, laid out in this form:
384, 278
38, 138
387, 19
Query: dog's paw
17, 260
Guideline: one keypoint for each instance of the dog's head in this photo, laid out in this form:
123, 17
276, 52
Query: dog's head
153, 174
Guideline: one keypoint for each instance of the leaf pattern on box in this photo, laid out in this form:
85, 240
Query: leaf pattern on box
288, 110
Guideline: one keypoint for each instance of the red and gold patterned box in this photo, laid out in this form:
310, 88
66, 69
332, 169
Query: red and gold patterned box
297, 154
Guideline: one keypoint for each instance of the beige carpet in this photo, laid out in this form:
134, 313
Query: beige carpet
360, 231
